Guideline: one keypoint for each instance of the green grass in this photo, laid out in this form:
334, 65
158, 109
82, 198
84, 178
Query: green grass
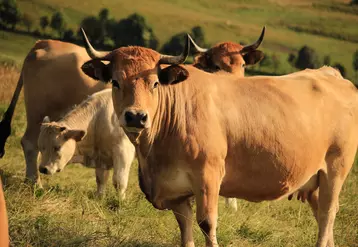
66, 213
329, 26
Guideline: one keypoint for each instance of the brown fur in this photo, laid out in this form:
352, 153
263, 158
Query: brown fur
226, 57
53, 84
257, 138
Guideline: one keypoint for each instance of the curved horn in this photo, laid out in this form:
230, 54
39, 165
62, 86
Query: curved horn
255, 45
168, 59
91, 51
197, 48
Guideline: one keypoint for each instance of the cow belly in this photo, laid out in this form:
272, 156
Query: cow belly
268, 184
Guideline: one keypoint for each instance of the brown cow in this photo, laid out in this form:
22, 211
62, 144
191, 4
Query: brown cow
256, 138
228, 56
4, 232
53, 84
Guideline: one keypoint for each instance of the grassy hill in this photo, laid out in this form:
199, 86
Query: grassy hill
66, 213
330, 27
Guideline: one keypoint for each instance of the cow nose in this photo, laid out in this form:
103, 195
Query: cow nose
44, 170
137, 119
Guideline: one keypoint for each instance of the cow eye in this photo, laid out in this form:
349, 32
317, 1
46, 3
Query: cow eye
156, 84
115, 84
243, 65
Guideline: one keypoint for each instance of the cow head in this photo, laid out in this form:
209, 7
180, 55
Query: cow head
228, 56
136, 77
57, 145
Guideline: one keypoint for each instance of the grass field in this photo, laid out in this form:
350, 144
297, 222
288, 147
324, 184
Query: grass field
329, 26
66, 213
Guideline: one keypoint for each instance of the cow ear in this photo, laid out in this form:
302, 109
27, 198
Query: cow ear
46, 119
202, 60
253, 57
77, 135
172, 75
97, 70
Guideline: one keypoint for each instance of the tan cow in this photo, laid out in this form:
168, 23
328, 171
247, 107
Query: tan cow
53, 84
4, 228
231, 58
256, 138
228, 56
91, 130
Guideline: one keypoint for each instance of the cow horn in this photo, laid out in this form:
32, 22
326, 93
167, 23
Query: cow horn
168, 59
100, 55
197, 48
255, 45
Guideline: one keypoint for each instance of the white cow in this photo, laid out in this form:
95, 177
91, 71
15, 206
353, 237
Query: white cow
92, 130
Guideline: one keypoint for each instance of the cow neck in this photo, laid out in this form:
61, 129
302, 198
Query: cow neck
168, 120
82, 116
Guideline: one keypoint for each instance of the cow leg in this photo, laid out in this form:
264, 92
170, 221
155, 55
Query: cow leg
31, 152
313, 201
207, 197
101, 180
330, 185
184, 216
122, 161
231, 203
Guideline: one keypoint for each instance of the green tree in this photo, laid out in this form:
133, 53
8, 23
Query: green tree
327, 60
44, 22
28, 21
292, 59
266, 61
58, 23
341, 69
355, 64
93, 30
307, 58
9, 13
176, 43
275, 62
134, 30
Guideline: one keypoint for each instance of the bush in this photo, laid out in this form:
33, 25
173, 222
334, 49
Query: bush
44, 22
341, 69
307, 58
28, 21
58, 23
327, 60
176, 43
134, 30
69, 36
292, 59
9, 14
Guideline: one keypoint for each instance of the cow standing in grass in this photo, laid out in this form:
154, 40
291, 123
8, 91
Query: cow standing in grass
91, 130
54, 83
258, 138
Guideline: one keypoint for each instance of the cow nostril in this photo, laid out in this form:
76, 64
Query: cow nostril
43, 170
143, 118
129, 116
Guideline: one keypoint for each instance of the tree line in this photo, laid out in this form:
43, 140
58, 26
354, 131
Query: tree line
108, 33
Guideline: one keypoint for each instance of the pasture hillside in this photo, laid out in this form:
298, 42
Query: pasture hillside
328, 26
66, 213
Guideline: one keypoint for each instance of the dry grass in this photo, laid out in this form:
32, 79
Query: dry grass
66, 213
9, 76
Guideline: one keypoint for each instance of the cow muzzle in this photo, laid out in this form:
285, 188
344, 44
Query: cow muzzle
135, 120
48, 171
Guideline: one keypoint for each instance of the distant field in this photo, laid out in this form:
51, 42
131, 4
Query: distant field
330, 27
